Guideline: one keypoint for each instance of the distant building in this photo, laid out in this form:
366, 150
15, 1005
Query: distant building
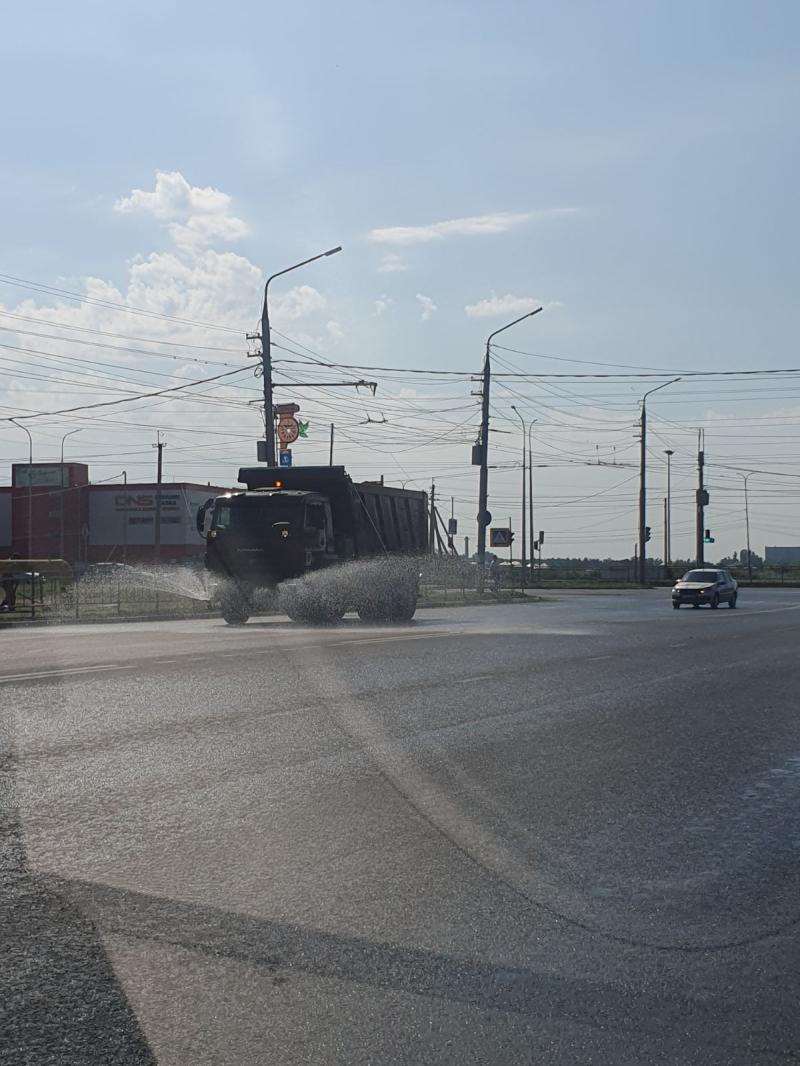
83, 523
782, 556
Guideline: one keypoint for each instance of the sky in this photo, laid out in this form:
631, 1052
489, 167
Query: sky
629, 167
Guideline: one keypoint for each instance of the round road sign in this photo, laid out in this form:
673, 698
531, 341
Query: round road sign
288, 430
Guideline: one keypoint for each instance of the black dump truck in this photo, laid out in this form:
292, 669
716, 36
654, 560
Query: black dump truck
316, 544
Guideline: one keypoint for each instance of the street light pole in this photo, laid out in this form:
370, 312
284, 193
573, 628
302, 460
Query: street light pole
61, 495
531, 537
668, 546
747, 526
524, 496
30, 487
266, 353
642, 483
483, 485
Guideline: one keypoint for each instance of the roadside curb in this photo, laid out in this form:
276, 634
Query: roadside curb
37, 623
41, 623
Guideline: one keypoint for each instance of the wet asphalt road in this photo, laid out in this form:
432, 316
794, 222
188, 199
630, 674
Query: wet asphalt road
566, 832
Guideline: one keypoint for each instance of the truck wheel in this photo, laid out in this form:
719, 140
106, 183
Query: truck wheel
402, 608
372, 612
310, 607
234, 606
397, 607
315, 615
235, 613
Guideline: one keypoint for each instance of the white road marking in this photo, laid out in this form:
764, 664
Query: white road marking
480, 677
386, 640
774, 610
64, 673
594, 658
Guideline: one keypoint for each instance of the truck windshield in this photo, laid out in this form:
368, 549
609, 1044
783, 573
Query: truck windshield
250, 515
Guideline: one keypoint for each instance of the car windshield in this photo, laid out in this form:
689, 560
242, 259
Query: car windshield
370, 373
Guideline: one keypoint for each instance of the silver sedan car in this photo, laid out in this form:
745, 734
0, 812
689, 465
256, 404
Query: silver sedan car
705, 587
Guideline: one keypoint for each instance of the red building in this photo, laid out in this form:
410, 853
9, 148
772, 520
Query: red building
52, 511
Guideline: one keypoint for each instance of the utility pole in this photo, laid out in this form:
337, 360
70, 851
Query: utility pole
330, 456
160, 445
483, 484
642, 494
642, 483
432, 519
666, 535
524, 495
668, 549
747, 526
266, 354
61, 495
701, 502
530, 498
30, 488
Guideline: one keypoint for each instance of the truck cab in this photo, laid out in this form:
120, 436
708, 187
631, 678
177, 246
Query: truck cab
266, 536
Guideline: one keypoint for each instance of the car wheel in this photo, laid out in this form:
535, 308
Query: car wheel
732, 600
676, 606
714, 602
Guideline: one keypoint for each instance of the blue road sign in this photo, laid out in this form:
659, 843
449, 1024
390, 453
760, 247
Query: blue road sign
285, 458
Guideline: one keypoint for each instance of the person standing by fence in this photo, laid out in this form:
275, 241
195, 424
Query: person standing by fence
10, 582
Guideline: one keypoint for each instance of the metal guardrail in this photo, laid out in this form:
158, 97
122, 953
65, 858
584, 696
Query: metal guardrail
47, 591
33, 584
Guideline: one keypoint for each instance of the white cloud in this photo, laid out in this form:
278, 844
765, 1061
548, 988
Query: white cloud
475, 225
391, 264
335, 331
383, 304
427, 307
194, 216
297, 303
507, 305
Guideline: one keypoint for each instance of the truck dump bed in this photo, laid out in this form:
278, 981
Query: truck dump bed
375, 518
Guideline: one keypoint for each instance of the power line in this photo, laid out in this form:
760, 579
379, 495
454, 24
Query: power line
130, 399
71, 327
22, 283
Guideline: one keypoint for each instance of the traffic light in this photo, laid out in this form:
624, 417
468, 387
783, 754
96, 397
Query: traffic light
647, 532
708, 539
